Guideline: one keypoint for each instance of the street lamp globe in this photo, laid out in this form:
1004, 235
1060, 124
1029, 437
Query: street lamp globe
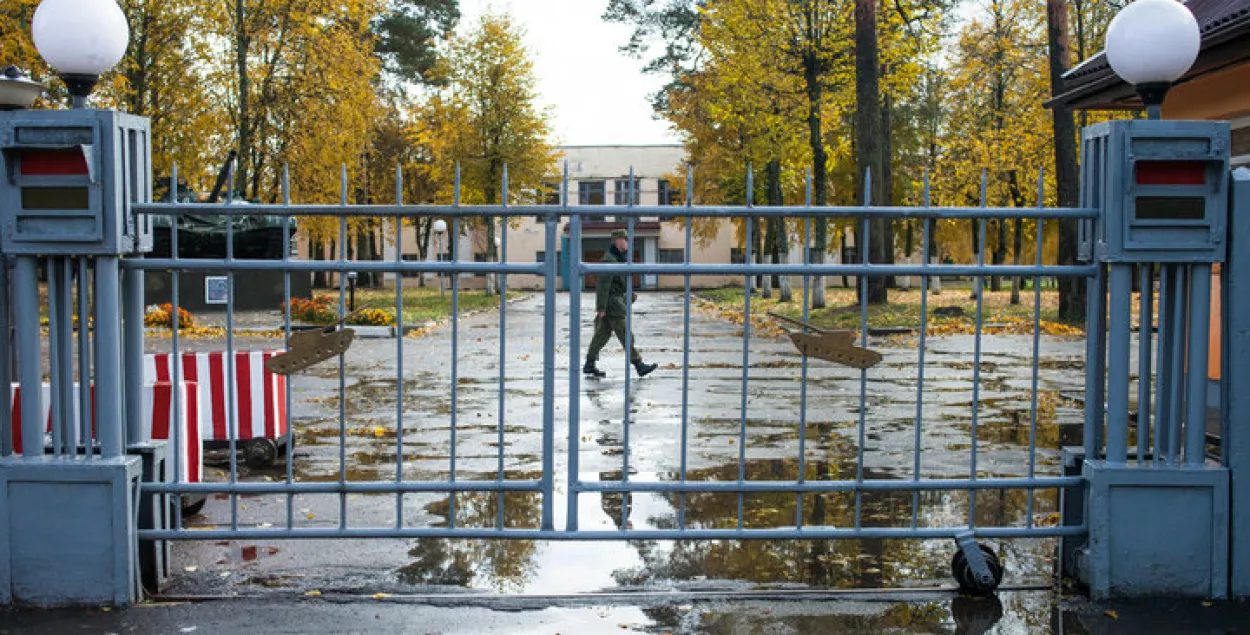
1151, 44
80, 39
440, 226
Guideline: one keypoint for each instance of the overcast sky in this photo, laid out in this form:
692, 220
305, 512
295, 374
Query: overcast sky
598, 95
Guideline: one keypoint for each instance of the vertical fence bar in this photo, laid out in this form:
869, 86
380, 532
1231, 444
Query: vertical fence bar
976, 356
175, 360
286, 328
132, 296
1176, 403
399, 345
548, 370
629, 351
549, 374
26, 314
85, 364
807, 249
1199, 330
342, 361
1163, 406
65, 348
455, 348
925, 238
1118, 364
231, 388
1095, 361
1144, 335
573, 260
6, 362
685, 353
1037, 342
55, 369
862, 433
746, 342
108, 368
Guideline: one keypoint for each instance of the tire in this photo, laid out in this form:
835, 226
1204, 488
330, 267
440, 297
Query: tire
260, 453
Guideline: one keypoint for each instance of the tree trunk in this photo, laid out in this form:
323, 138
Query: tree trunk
870, 151
977, 256
820, 177
316, 250
1000, 254
777, 229
1016, 245
887, 179
241, 46
1071, 290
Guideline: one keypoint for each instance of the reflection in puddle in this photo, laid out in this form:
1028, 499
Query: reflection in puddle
520, 566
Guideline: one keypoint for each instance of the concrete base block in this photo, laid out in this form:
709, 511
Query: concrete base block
1156, 531
68, 531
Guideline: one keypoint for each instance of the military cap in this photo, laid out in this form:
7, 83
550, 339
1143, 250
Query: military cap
620, 233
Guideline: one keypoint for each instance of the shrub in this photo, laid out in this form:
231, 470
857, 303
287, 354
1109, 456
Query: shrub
159, 316
372, 317
318, 310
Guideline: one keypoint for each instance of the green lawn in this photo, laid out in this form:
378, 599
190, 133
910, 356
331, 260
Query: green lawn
903, 310
423, 304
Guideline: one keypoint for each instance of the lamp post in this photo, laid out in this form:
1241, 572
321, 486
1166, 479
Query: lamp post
440, 228
1151, 44
351, 283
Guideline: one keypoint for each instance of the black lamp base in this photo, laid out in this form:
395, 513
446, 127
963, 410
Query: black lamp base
1152, 95
79, 85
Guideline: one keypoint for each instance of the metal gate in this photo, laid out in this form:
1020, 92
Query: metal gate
883, 416
562, 434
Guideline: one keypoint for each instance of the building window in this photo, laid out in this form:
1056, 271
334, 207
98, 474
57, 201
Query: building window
668, 195
737, 256
1241, 143
590, 193
540, 256
622, 192
550, 193
671, 256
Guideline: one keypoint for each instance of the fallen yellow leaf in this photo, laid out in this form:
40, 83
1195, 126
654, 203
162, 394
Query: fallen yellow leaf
381, 596
310, 516
313, 594
1208, 604
1111, 614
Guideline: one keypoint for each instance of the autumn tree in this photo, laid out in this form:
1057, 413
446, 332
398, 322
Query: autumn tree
997, 129
488, 119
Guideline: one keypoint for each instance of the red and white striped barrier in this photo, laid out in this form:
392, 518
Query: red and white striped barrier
259, 396
158, 415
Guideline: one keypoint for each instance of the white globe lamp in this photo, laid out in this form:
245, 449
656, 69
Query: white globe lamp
81, 39
1151, 44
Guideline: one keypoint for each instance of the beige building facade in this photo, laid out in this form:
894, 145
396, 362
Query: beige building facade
599, 176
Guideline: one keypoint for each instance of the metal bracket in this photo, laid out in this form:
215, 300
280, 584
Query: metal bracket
967, 543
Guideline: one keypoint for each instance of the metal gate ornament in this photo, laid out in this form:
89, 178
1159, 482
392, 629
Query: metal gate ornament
836, 346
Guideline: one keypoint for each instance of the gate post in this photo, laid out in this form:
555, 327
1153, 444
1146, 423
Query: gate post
68, 532
1158, 523
1235, 433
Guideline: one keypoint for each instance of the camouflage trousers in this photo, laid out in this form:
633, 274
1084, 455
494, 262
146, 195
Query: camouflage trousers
605, 327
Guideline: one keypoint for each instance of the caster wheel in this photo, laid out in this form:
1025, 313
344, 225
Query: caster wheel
260, 453
968, 582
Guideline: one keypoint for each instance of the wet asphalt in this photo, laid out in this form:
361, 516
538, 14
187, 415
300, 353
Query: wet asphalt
790, 419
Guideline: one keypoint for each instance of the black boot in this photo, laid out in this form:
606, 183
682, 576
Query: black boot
592, 370
644, 368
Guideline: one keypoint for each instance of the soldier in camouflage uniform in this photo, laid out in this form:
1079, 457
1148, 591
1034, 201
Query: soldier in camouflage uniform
610, 310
